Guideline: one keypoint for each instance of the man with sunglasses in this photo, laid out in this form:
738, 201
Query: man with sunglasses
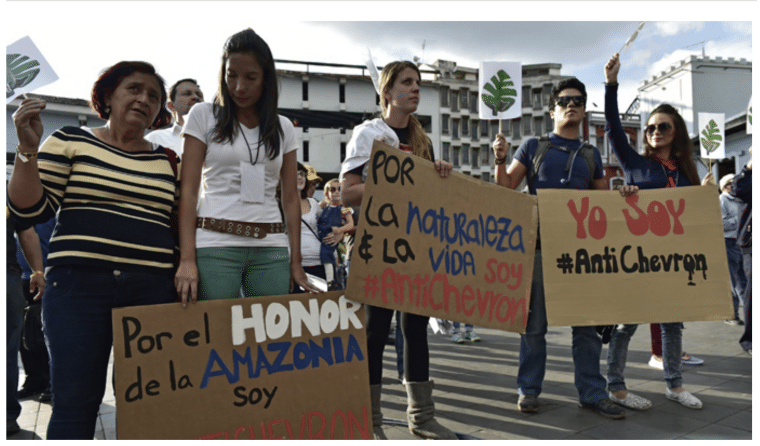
558, 167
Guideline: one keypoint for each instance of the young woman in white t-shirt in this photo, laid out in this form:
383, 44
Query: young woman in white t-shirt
235, 152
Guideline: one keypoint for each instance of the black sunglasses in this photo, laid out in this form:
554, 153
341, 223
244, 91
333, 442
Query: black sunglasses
333, 189
564, 101
663, 127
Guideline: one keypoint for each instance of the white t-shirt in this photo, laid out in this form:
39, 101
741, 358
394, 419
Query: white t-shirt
221, 194
310, 244
169, 137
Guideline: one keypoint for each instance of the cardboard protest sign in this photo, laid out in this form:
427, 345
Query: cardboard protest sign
713, 129
454, 248
500, 90
25, 68
284, 367
657, 256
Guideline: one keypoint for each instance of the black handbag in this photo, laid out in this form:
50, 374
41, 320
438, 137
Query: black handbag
32, 335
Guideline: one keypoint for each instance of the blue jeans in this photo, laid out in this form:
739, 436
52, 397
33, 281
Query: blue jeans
617, 354
587, 349
14, 320
467, 327
76, 316
746, 340
736, 271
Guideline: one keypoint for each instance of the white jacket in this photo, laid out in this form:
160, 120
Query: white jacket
359, 147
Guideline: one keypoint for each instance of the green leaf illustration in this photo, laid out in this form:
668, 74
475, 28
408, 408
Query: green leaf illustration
19, 71
501, 97
712, 138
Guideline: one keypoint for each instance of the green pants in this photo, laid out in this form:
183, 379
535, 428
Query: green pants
258, 271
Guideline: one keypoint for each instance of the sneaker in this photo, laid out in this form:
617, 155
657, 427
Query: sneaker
734, 321
471, 336
685, 398
457, 338
29, 391
605, 408
527, 403
656, 363
687, 359
631, 401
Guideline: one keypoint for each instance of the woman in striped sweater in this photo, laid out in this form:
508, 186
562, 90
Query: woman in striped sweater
114, 193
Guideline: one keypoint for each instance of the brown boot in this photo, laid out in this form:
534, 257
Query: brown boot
421, 413
375, 391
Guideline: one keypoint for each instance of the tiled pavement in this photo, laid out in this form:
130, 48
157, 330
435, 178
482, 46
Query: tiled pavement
475, 392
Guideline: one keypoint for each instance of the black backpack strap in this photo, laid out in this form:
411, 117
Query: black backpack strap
585, 150
538, 158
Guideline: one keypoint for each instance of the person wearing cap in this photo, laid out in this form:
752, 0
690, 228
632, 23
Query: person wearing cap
730, 208
313, 179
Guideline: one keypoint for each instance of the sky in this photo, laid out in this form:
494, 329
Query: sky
184, 39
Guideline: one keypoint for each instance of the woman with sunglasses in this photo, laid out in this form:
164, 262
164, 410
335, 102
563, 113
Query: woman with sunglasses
667, 162
399, 87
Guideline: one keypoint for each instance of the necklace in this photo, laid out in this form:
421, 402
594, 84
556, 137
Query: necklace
250, 153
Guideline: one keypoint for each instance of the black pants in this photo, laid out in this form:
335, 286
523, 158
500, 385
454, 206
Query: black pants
36, 362
416, 354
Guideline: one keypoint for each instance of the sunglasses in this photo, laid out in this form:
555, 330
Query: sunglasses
564, 101
333, 189
663, 127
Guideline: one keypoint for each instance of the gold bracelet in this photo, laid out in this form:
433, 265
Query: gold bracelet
498, 161
25, 156
37, 273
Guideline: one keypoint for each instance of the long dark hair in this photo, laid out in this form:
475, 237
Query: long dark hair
681, 150
270, 130
418, 139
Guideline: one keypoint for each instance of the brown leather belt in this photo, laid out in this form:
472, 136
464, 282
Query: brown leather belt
242, 228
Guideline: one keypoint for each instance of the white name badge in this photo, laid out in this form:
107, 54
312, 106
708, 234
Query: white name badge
252, 182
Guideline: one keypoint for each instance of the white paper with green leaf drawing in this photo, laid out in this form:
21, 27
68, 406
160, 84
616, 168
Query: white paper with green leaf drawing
25, 69
749, 116
712, 136
500, 90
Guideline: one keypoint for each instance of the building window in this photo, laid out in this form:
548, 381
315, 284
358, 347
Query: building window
486, 176
306, 151
342, 93
454, 100
444, 92
484, 128
455, 157
342, 151
445, 151
475, 133
455, 129
465, 154
549, 122
515, 128
305, 90
526, 96
537, 99
526, 126
474, 102
465, 126
475, 158
464, 96
537, 127
445, 124
485, 152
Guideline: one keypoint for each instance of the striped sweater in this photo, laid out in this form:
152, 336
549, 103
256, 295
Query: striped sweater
113, 206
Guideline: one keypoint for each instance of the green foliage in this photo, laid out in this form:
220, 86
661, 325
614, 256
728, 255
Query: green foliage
712, 138
19, 71
501, 97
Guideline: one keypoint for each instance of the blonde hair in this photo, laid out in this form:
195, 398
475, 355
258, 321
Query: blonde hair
418, 139
327, 201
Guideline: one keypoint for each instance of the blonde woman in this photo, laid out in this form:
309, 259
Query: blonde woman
400, 95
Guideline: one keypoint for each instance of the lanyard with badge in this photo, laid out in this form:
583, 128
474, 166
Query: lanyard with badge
251, 174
